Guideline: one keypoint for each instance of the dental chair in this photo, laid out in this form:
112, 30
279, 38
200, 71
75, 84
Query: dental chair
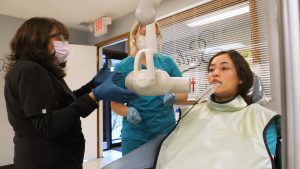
257, 91
259, 97
145, 156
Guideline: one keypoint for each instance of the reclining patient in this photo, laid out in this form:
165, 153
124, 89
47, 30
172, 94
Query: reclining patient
226, 132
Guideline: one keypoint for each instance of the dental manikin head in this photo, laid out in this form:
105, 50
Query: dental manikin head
138, 33
232, 71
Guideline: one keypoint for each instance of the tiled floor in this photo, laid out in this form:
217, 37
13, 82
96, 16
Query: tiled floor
108, 157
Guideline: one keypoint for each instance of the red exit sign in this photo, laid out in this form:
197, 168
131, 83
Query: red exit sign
98, 24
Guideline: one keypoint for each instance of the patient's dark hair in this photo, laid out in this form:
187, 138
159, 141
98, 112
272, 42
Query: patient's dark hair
243, 71
31, 42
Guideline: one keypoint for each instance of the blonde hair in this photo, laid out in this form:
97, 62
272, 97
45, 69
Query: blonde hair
135, 29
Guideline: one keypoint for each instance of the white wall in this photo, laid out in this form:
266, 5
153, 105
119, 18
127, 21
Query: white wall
8, 28
81, 68
6, 138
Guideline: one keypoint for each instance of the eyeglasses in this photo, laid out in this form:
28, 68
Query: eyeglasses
59, 37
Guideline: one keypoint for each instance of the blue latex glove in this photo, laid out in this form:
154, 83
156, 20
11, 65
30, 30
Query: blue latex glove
133, 115
109, 91
169, 99
103, 74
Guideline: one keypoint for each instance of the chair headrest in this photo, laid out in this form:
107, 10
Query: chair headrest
258, 94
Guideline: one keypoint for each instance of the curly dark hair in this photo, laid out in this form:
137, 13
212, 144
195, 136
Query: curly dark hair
31, 42
243, 71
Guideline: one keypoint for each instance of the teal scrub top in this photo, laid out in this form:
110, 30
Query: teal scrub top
156, 118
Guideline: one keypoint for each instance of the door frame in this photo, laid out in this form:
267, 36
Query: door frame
99, 46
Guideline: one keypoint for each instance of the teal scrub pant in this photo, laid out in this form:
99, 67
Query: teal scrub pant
129, 145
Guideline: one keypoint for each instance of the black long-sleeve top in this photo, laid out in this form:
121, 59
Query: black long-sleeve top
45, 115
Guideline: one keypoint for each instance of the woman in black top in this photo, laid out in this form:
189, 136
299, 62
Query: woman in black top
43, 111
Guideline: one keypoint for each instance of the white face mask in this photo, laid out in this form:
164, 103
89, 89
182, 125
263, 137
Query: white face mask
62, 50
141, 43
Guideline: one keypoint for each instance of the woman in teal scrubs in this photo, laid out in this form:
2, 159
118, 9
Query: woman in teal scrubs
146, 116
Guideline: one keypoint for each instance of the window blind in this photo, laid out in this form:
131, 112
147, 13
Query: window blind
193, 36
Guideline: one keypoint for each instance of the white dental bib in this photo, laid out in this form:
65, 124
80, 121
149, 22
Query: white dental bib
219, 136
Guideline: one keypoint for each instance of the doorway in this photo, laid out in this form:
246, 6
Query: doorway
112, 51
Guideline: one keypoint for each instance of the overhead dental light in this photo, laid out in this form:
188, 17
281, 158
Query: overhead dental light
217, 16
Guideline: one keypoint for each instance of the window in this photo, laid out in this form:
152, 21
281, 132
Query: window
191, 37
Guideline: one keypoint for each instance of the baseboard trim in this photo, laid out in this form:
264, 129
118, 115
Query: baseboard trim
11, 166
